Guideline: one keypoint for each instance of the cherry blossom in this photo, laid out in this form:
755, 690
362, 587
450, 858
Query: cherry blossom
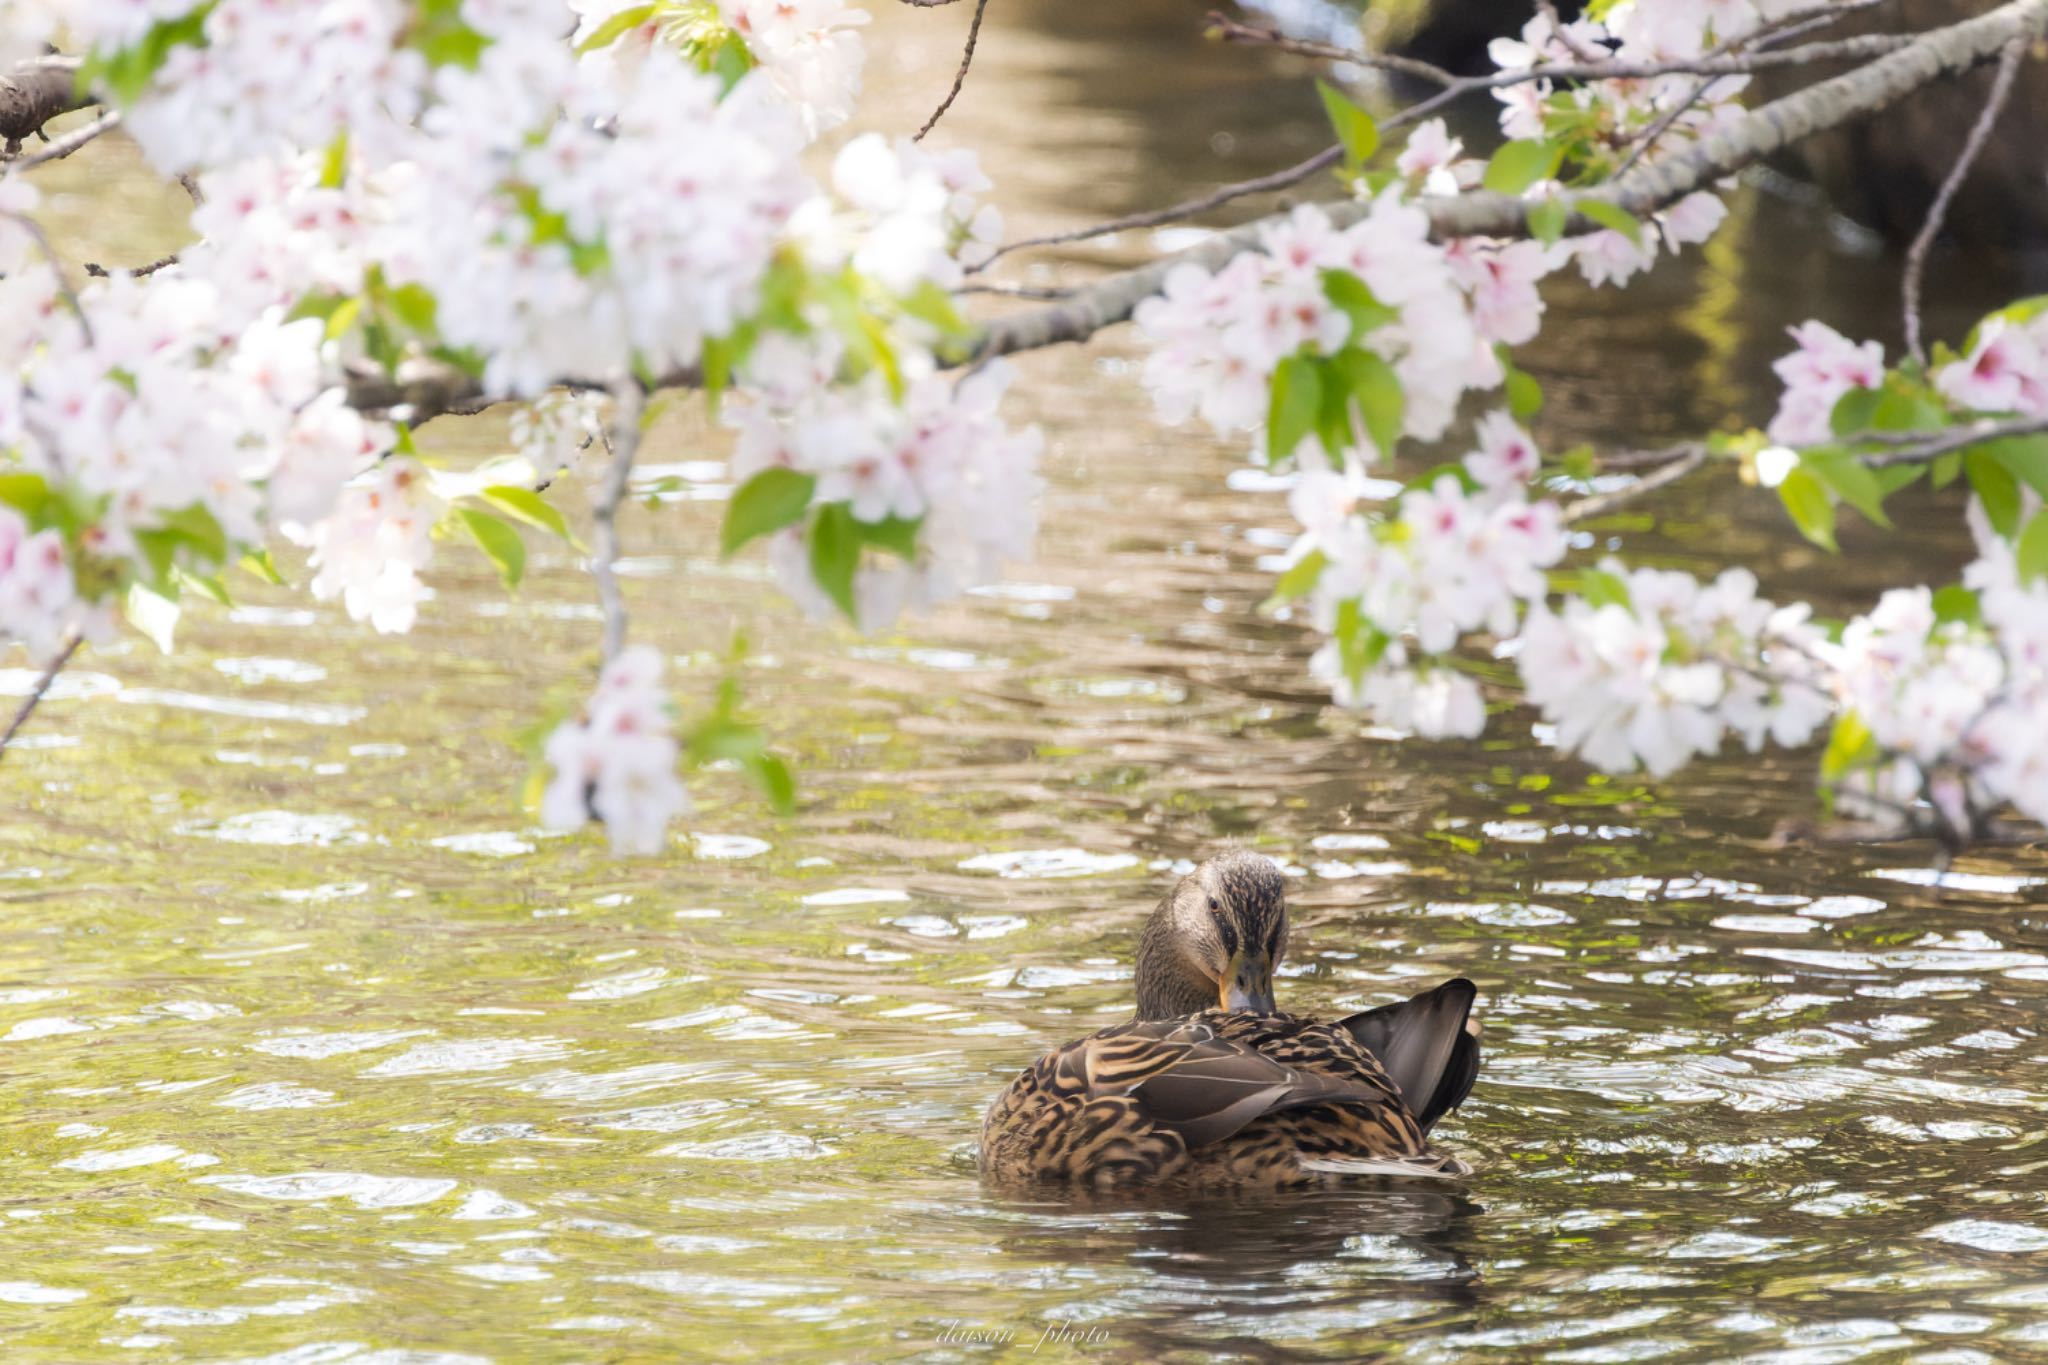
1824, 367
616, 761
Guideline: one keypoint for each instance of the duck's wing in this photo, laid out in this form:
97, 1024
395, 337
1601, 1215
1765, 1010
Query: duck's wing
1429, 1046
1206, 1087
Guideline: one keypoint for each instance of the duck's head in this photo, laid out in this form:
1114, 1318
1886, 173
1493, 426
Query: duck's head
1214, 941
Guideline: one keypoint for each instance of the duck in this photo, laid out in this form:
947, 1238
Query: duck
1211, 1087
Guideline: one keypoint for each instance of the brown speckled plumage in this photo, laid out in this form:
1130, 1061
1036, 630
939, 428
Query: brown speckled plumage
1196, 1095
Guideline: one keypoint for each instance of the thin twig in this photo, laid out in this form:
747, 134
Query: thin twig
1225, 29
1278, 180
1643, 459
960, 76
42, 240
1954, 439
64, 146
1016, 291
1459, 86
1563, 33
1980, 132
1651, 186
621, 442
1695, 455
72, 640
1756, 40
100, 272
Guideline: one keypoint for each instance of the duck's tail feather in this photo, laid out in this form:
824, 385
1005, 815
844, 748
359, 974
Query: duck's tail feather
1429, 1046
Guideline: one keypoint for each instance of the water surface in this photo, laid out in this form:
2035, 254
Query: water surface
314, 1049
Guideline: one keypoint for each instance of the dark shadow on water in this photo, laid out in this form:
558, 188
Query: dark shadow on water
1259, 1259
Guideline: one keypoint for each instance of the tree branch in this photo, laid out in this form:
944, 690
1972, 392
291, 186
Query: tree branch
1682, 460
69, 143
1225, 29
1980, 132
35, 92
960, 76
426, 390
1947, 442
621, 442
72, 640
1825, 104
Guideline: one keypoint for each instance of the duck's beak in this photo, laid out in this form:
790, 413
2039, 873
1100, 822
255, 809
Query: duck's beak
1247, 983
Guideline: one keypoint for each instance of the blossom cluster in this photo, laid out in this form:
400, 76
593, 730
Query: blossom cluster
942, 459
1951, 702
1665, 667
1605, 119
180, 441
1217, 338
533, 191
616, 761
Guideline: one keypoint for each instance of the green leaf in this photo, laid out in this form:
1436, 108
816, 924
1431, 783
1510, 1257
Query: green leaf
334, 168
897, 535
1612, 216
159, 551
606, 33
1850, 745
930, 303
1525, 395
771, 500
1853, 411
1296, 402
1360, 643
26, 493
1368, 380
2026, 457
1996, 489
497, 540
1603, 589
835, 554
1518, 165
450, 42
1355, 128
415, 306
772, 775
1850, 479
2032, 550
729, 60
195, 526
258, 564
1547, 219
523, 504
1812, 510
1945, 469
1453, 469
206, 585
1353, 297
1957, 603
720, 358
127, 73
343, 316
1299, 579
152, 613
2019, 312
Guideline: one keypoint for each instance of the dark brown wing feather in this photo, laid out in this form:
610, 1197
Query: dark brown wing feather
1428, 1045
1212, 1099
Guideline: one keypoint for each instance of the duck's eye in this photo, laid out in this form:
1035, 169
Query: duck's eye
1213, 905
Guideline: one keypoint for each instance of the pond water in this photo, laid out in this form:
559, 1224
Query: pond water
314, 1049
